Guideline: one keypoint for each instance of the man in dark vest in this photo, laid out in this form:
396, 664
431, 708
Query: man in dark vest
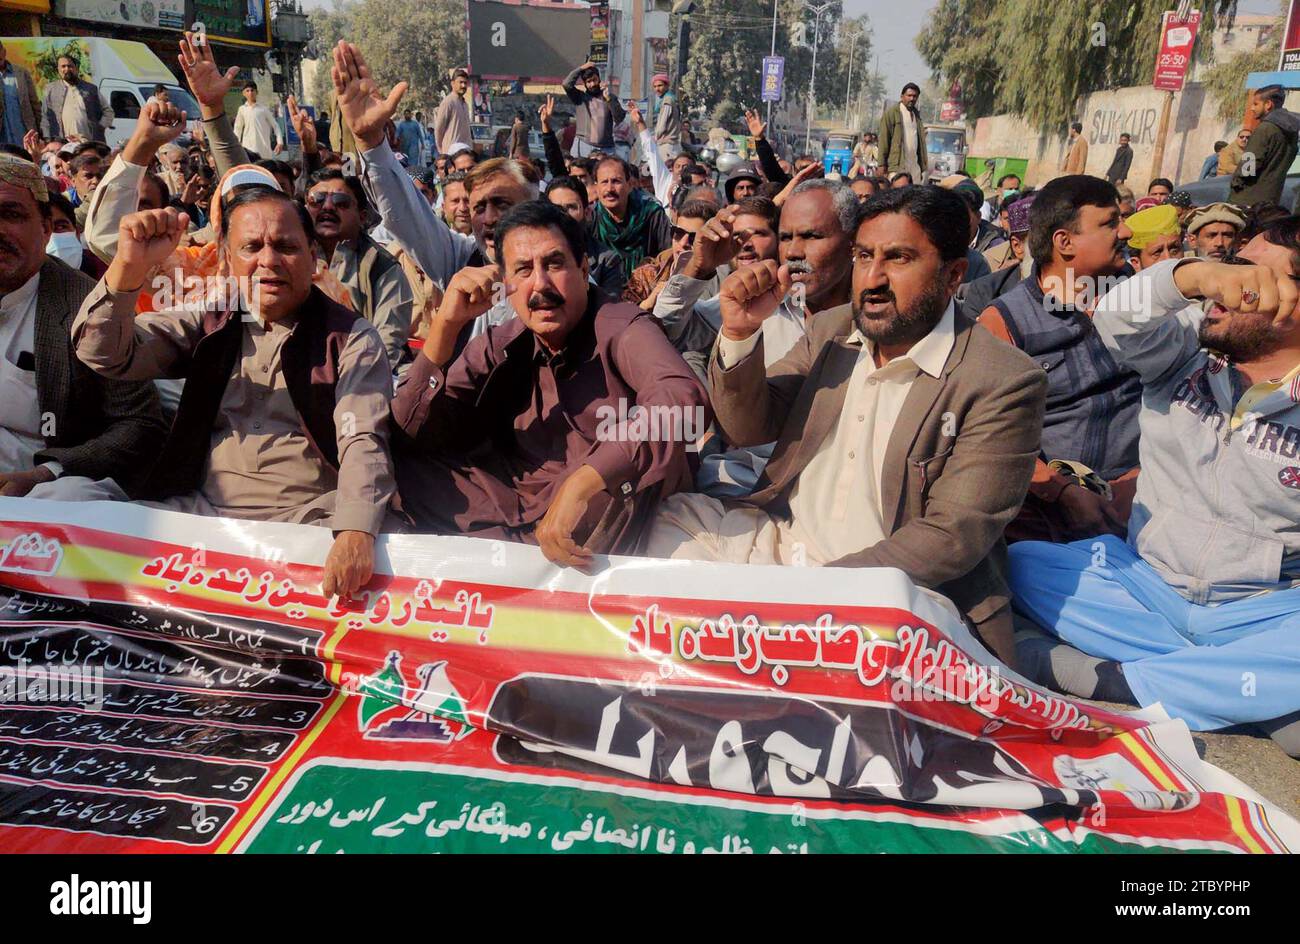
74, 106
379, 288
1075, 238
284, 415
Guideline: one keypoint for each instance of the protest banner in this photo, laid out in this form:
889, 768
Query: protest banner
178, 684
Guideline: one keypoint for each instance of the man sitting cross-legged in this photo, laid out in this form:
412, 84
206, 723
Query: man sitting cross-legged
906, 435
1200, 609
284, 415
529, 435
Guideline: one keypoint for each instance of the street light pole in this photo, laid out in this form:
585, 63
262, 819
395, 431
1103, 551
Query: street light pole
848, 90
812, 86
772, 53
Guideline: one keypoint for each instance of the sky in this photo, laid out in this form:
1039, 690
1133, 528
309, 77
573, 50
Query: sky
896, 23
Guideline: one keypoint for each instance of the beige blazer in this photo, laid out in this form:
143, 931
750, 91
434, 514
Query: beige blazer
957, 467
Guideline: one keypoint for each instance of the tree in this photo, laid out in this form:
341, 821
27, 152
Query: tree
1038, 59
730, 38
415, 41
1226, 82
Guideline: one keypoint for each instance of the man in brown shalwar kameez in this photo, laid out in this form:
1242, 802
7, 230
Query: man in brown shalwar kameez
562, 427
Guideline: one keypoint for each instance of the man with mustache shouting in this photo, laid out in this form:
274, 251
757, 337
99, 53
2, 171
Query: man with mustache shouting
530, 435
1200, 609
906, 435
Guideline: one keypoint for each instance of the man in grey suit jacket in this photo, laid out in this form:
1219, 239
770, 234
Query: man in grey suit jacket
906, 436
61, 425
20, 107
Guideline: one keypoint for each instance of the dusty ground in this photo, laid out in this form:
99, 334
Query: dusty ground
1255, 761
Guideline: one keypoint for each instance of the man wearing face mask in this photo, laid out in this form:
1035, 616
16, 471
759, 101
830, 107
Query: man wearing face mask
64, 431
284, 414
520, 437
65, 240
1200, 608
374, 279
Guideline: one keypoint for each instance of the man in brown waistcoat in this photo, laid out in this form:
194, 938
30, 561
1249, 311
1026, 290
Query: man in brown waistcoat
285, 409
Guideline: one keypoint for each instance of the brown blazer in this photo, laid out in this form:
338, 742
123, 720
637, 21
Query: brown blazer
958, 463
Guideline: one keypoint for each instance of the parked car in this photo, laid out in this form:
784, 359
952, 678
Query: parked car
1215, 189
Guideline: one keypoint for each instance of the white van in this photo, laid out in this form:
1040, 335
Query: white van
125, 72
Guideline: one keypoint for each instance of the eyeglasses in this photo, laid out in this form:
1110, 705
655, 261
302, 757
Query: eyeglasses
344, 201
679, 233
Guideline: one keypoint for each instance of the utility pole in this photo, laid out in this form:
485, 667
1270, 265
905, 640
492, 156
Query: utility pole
772, 53
812, 85
848, 90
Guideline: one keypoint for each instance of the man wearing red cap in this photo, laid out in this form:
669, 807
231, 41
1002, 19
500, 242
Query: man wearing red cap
668, 122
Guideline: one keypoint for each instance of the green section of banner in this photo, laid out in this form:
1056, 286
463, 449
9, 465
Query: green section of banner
386, 809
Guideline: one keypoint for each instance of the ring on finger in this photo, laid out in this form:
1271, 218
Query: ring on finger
1249, 297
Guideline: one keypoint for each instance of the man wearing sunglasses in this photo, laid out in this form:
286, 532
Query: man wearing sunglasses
648, 279
380, 291
1200, 609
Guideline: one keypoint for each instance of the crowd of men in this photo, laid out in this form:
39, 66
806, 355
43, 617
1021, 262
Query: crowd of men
1074, 415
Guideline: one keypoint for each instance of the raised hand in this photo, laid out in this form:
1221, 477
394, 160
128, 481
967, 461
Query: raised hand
757, 127
812, 170
634, 113
303, 126
206, 80
364, 110
32, 145
714, 245
1242, 289
545, 111
157, 125
751, 295
470, 293
144, 240
193, 187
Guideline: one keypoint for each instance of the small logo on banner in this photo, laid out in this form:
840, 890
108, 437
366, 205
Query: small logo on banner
392, 710
1290, 476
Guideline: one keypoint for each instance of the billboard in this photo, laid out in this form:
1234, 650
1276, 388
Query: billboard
1290, 61
1177, 37
159, 14
243, 22
543, 42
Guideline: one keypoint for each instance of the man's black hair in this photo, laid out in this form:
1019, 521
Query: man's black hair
585, 163
1077, 126
1005, 177
258, 193
911, 180
16, 151
912, 86
1125, 134
573, 185
250, 84
276, 166
63, 205
159, 87
1057, 207
610, 159
697, 210
941, 213
354, 185
1285, 232
541, 214
1164, 181
1219, 146
759, 206
1273, 93
83, 160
